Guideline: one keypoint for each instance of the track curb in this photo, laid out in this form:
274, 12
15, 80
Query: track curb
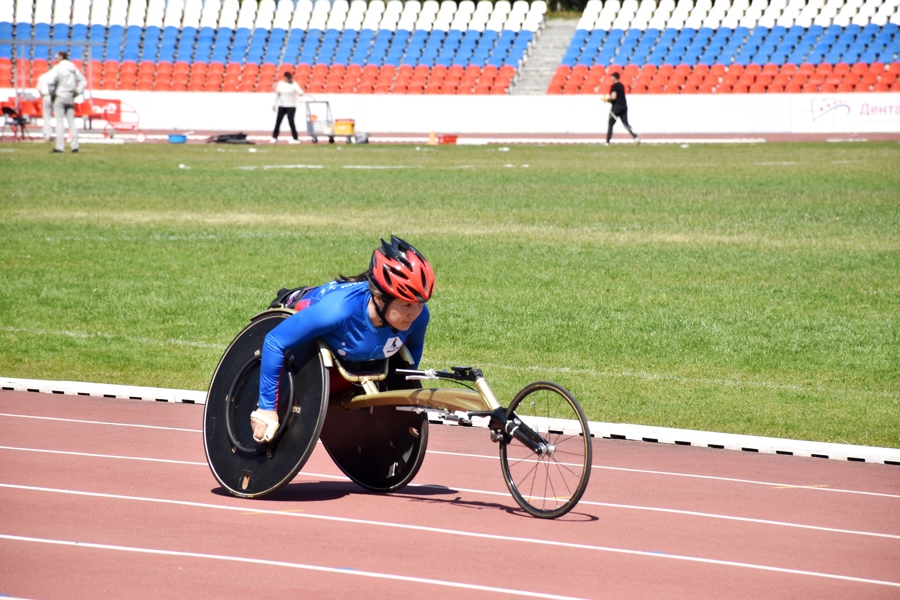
618, 431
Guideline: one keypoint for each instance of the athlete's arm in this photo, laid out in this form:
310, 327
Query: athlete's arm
306, 325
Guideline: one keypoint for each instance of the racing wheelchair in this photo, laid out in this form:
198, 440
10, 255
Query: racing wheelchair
373, 418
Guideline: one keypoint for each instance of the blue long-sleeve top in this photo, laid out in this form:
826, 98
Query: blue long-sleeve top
339, 314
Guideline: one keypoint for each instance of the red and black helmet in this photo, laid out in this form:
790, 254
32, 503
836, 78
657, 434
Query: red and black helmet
400, 271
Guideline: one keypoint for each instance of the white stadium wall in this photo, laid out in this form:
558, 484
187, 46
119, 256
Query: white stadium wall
573, 114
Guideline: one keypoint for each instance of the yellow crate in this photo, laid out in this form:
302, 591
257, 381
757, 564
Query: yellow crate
344, 126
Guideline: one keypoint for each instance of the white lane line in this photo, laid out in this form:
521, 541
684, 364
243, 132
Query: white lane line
463, 533
101, 423
503, 494
291, 565
496, 458
91, 455
713, 477
674, 511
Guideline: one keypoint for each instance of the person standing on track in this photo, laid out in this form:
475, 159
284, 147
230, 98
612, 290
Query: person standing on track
65, 82
618, 109
286, 93
361, 318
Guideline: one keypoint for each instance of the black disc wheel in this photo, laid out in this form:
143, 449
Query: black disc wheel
379, 448
549, 483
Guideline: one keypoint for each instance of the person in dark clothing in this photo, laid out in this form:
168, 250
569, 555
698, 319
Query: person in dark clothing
618, 109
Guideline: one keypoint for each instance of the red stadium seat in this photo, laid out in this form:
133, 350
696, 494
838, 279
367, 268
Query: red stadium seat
841, 68
689, 89
705, 89
757, 89
792, 88
740, 89
809, 88
806, 68
774, 89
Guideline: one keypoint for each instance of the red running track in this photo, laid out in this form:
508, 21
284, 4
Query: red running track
111, 498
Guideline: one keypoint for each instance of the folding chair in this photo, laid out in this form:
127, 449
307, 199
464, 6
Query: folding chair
16, 122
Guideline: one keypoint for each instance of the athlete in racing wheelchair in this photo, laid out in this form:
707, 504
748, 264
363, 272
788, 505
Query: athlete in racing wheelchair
350, 349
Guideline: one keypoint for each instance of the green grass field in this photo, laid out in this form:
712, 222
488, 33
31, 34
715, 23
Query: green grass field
748, 288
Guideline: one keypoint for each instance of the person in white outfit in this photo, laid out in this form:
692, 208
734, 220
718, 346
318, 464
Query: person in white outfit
65, 82
286, 93
43, 89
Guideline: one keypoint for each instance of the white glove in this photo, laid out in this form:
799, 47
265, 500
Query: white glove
265, 424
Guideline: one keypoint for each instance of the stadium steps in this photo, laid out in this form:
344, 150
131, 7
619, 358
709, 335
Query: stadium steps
545, 56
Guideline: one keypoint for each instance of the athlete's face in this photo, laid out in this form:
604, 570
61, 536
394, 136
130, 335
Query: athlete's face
400, 315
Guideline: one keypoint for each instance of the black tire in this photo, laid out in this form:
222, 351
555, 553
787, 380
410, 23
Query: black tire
548, 486
315, 140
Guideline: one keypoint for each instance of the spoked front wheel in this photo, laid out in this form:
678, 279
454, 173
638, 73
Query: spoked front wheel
549, 483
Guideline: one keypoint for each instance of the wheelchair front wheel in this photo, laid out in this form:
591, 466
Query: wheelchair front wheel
550, 485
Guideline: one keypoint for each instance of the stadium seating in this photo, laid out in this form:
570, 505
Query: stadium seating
796, 46
457, 46
226, 45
